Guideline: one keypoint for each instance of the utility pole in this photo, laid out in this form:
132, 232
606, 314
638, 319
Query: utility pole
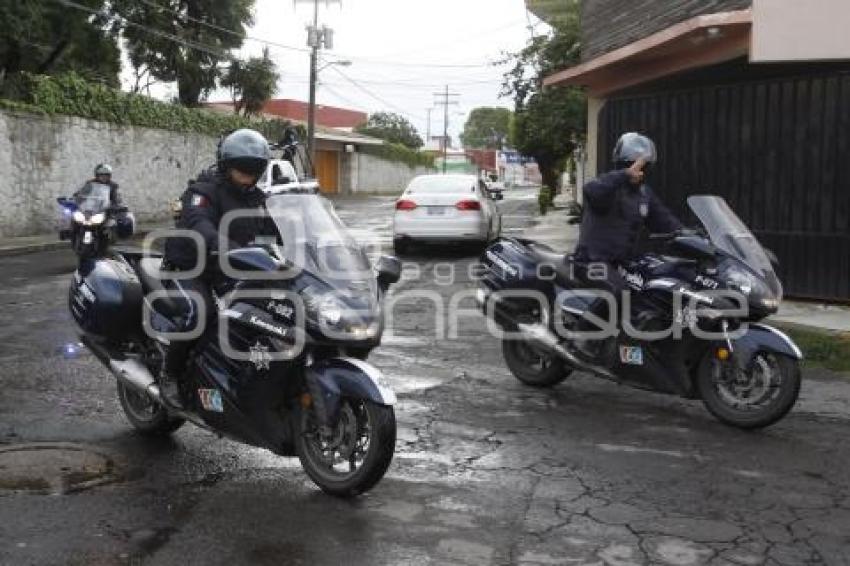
428, 129
316, 39
445, 103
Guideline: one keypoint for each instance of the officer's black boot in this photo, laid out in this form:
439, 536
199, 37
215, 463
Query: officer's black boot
169, 379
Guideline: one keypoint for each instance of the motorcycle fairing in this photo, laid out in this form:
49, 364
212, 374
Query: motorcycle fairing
336, 378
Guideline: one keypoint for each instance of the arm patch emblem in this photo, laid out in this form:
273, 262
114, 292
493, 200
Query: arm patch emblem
200, 200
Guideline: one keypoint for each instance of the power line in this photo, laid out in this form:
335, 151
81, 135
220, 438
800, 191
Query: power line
369, 93
223, 29
186, 43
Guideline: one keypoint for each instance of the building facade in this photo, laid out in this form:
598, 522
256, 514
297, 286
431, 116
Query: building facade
747, 99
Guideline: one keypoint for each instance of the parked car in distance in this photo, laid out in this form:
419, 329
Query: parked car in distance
446, 209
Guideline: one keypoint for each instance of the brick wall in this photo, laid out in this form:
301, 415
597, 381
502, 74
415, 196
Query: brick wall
609, 24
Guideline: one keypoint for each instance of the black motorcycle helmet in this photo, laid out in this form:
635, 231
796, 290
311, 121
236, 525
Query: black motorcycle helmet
245, 150
632, 146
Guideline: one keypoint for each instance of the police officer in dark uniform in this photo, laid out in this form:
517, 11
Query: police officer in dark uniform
619, 207
103, 175
231, 185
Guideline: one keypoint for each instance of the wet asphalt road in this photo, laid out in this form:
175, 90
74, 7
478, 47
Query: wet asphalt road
487, 471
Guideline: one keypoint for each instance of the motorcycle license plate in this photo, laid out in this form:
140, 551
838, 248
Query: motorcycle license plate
436, 210
87, 237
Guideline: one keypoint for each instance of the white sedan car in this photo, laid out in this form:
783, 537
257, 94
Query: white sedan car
446, 209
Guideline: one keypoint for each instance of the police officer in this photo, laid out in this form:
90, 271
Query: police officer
230, 186
619, 206
103, 175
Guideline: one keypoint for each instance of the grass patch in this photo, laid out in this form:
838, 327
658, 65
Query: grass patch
830, 350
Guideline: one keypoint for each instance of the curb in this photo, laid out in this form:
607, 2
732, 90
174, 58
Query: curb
38, 247
820, 331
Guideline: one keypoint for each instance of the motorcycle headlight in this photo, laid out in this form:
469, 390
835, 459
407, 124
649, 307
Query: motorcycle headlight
741, 280
97, 218
79, 217
335, 319
324, 310
753, 287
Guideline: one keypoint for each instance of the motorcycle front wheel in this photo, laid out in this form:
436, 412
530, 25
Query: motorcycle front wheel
532, 366
755, 397
354, 456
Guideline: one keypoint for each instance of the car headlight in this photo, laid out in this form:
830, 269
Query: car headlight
97, 218
79, 217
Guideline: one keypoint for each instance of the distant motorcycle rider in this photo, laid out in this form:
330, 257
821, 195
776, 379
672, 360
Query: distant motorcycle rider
231, 185
619, 207
103, 175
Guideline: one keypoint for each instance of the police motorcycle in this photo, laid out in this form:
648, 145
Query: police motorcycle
90, 222
691, 325
282, 363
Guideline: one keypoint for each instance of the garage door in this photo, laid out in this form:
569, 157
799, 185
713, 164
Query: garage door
776, 149
327, 170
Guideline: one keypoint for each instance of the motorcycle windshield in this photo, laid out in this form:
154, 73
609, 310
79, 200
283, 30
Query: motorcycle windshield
93, 198
729, 233
315, 239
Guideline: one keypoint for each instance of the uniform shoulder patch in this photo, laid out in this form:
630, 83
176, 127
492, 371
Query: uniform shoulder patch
199, 200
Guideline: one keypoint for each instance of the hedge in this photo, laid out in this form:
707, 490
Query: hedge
69, 94
399, 153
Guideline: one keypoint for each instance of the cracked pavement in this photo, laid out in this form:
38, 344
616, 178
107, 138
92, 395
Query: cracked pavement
487, 471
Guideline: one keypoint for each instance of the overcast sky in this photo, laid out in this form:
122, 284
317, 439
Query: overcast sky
402, 51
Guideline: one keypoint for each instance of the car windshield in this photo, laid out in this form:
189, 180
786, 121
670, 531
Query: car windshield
441, 184
93, 198
730, 234
315, 238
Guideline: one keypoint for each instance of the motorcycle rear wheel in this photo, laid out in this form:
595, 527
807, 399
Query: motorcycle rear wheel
365, 431
146, 416
730, 397
531, 366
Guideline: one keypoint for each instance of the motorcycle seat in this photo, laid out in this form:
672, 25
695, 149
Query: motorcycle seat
560, 262
148, 270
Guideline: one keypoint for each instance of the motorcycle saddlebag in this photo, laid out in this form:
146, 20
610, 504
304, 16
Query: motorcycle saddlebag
105, 299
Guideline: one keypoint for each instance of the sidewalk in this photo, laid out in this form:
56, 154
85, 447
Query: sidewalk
48, 242
553, 229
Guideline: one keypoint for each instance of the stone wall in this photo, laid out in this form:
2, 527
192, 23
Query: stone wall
42, 158
609, 24
374, 175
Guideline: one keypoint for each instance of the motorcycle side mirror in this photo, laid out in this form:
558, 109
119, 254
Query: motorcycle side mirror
389, 270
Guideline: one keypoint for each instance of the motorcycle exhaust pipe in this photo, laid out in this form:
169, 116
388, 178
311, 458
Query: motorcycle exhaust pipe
136, 375
545, 338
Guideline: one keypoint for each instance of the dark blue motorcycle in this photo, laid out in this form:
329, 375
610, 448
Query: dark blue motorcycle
690, 326
282, 363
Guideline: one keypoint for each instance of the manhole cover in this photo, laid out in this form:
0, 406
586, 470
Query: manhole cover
54, 468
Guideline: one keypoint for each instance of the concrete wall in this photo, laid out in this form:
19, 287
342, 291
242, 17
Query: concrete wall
610, 24
42, 158
791, 30
370, 174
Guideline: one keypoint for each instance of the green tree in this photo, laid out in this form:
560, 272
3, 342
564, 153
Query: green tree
183, 40
487, 128
548, 122
392, 128
252, 83
51, 38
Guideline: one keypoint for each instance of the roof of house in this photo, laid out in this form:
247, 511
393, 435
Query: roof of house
330, 116
700, 41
